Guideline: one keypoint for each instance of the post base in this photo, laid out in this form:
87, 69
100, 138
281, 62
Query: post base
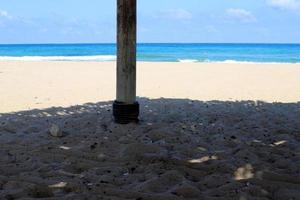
126, 113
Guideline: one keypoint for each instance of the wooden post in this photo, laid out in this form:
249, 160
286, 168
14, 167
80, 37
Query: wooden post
125, 108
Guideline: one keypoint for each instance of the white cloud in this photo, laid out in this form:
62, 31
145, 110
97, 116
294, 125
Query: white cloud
175, 14
285, 4
241, 15
5, 14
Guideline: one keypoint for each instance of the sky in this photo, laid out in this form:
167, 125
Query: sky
165, 21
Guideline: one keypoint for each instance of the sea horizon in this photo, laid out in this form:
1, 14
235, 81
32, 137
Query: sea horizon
66, 43
156, 52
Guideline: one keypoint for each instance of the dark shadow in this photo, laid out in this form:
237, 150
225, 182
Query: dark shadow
181, 149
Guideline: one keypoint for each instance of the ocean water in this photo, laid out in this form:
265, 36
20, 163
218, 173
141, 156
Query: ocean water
253, 53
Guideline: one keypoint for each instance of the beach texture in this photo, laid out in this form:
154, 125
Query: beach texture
30, 85
207, 131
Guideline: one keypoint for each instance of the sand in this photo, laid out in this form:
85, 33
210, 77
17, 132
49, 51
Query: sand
30, 85
208, 138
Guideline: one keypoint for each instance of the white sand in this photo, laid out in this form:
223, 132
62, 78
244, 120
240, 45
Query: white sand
182, 148
28, 85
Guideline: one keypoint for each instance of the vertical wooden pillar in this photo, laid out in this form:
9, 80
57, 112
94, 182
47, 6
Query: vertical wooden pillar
126, 108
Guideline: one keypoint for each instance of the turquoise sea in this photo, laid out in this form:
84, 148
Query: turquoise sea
255, 53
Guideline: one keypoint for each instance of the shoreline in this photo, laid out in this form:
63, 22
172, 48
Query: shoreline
27, 85
108, 59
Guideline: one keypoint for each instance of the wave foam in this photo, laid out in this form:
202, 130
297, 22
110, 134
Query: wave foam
246, 62
59, 58
105, 58
187, 60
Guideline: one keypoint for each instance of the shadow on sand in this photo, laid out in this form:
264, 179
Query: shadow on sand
182, 149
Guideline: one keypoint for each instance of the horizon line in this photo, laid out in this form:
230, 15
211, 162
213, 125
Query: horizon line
113, 43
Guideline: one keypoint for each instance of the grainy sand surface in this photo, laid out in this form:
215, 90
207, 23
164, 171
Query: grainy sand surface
30, 85
207, 139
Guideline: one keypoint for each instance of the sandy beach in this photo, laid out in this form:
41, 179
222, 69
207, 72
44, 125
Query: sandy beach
208, 131
31, 85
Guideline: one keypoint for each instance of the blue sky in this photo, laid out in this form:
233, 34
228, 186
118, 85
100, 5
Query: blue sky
93, 21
